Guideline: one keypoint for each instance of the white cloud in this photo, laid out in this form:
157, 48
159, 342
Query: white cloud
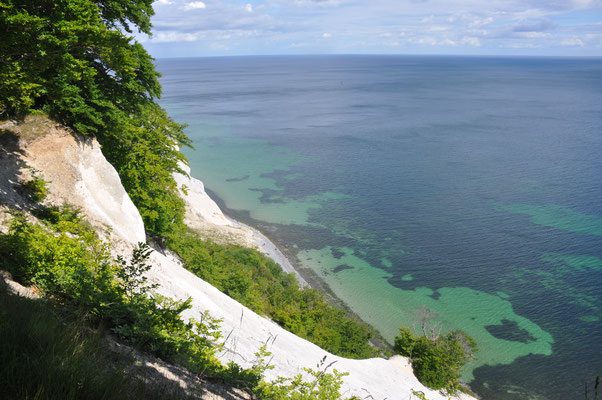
275, 25
428, 41
480, 22
471, 41
447, 42
171, 37
195, 5
319, 3
218, 46
532, 35
521, 46
572, 43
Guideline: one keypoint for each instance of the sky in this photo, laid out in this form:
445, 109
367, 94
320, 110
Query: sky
190, 28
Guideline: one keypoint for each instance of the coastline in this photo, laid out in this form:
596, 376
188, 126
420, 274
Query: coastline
267, 247
204, 213
283, 254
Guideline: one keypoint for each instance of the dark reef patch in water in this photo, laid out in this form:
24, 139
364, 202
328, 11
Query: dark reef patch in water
269, 196
509, 330
336, 253
341, 267
240, 179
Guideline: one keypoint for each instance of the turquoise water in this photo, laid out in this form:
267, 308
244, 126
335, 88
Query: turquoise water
468, 186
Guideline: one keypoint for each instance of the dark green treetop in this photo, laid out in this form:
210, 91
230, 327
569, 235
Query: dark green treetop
72, 60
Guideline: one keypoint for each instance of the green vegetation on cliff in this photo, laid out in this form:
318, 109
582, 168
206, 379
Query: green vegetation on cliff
73, 60
48, 354
436, 358
72, 267
260, 284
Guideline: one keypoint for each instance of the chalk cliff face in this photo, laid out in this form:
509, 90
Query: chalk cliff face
203, 214
81, 176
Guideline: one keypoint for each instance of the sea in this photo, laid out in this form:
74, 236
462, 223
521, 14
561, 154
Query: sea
465, 187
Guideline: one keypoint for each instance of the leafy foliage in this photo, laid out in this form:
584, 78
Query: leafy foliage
70, 59
437, 360
67, 262
319, 385
64, 259
145, 154
36, 189
259, 283
132, 273
46, 354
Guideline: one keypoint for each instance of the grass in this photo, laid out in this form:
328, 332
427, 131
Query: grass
32, 127
45, 355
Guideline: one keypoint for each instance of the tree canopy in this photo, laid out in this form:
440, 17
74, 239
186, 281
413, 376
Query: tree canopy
437, 359
73, 60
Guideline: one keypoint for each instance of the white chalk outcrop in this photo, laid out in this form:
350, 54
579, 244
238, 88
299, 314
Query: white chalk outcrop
200, 208
204, 215
82, 177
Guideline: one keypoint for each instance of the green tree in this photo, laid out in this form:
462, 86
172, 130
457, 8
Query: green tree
437, 359
72, 60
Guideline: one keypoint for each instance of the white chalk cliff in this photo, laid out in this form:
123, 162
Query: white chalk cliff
81, 176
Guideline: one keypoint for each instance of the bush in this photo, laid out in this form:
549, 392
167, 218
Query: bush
259, 283
36, 189
320, 386
66, 261
437, 360
46, 355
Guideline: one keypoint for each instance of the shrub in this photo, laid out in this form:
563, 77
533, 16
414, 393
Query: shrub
437, 360
68, 263
259, 283
76, 269
47, 355
36, 189
319, 385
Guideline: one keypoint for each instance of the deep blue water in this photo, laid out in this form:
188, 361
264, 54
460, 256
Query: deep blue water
470, 185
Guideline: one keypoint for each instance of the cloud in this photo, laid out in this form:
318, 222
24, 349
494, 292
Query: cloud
270, 26
572, 43
542, 25
471, 41
320, 3
478, 22
526, 29
432, 41
533, 35
195, 5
